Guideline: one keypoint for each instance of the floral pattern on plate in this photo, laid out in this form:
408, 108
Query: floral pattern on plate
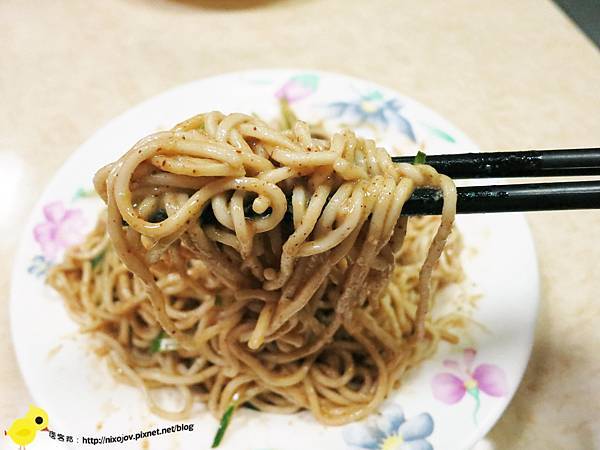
390, 430
298, 87
61, 228
377, 109
450, 388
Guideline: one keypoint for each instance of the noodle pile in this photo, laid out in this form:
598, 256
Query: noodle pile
237, 260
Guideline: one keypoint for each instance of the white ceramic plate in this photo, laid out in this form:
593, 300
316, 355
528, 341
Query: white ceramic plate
450, 402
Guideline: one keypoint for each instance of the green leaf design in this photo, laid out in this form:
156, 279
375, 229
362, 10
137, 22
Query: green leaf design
440, 134
373, 95
84, 193
309, 80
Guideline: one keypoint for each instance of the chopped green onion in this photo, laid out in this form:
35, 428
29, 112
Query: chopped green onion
98, 259
155, 344
218, 300
224, 423
163, 343
420, 158
287, 114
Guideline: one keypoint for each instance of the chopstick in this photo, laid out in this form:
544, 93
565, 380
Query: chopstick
509, 198
532, 163
512, 197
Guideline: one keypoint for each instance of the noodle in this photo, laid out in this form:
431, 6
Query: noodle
271, 264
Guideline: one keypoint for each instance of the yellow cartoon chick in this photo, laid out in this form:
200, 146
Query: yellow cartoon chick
23, 430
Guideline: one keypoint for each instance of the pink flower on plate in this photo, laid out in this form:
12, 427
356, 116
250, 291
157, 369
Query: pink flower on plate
62, 228
298, 87
450, 388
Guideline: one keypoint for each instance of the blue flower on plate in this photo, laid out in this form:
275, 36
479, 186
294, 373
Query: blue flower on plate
375, 108
390, 430
39, 266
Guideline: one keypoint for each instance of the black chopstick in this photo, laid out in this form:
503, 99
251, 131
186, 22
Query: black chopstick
509, 198
531, 163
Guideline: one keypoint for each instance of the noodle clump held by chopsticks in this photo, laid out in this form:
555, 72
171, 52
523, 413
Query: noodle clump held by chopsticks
238, 259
